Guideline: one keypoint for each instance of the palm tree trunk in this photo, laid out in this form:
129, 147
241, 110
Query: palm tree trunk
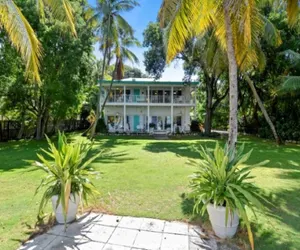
110, 86
233, 82
263, 110
98, 113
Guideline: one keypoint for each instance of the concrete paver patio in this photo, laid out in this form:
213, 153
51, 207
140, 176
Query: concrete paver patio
108, 232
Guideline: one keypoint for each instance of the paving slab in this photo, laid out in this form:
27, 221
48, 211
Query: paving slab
99, 233
115, 247
123, 237
148, 240
63, 243
38, 243
175, 227
107, 220
153, 225
109, 232
175, 242
89, 245
131, 222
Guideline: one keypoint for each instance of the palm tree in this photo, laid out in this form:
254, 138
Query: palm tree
23, 37
110, 21
234, 24
229, 23
122, 53
237, 25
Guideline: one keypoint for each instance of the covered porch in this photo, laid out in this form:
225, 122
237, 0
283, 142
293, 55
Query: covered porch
147, 120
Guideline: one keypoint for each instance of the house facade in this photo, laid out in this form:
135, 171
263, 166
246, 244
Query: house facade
145, 105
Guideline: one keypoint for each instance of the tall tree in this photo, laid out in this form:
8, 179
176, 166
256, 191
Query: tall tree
122, 54
133, 72
203, 55
234, 23
23, 37
155, 56
110, 21
66, 70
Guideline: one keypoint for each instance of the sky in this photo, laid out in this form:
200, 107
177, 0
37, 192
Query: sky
139, 18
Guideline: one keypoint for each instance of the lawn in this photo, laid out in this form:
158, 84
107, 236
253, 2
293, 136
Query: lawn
144, 177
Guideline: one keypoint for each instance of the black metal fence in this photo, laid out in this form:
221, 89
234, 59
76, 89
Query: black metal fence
9, 130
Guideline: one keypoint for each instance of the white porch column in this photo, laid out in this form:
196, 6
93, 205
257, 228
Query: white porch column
172, 109
148, 114
124, 109
148, 109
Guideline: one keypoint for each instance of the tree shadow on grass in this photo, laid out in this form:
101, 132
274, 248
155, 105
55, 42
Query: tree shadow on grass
283, 157
179, 148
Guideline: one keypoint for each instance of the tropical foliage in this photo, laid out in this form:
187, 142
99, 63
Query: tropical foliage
237, 26
223, 180
67, 73
115, 36
68, 172
21, 34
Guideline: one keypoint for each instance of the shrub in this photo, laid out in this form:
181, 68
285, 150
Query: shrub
195, 126
101, 127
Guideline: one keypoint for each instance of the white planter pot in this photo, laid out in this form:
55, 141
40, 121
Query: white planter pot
217, 216
72, 210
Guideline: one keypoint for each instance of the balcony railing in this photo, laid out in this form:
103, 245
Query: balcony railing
153, 99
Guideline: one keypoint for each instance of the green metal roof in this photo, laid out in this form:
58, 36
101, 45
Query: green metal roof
128, 82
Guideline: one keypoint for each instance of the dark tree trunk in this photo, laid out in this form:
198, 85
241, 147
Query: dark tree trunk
39, 125
110, 86
22, 128
209, 104
263, 110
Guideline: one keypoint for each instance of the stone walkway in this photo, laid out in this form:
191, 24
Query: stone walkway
109, 232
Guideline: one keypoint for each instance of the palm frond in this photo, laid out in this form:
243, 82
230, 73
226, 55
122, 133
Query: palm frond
22, 37
291, 83
124, 25
292, 11
179, 28
63, 11
270, 33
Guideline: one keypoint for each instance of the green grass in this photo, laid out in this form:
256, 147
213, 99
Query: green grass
144, 177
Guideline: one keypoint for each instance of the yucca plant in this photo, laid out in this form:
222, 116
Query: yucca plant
68, 172
222, 180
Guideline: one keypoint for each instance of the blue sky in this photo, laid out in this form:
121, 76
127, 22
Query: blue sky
139, 19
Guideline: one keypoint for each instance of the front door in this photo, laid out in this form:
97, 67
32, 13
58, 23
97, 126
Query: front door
136, 122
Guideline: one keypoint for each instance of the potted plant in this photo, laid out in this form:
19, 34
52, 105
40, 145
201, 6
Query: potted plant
222, 187
68, 177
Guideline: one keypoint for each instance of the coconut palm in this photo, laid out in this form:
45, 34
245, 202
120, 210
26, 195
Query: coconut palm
110, 21
234, 24
122, 53
23, 37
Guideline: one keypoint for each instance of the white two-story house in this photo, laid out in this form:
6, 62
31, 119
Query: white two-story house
146, 105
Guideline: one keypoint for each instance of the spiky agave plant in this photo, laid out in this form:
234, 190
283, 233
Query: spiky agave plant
222, 180
68, 172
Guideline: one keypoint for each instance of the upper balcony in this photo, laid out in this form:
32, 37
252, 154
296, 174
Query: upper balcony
154, 99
